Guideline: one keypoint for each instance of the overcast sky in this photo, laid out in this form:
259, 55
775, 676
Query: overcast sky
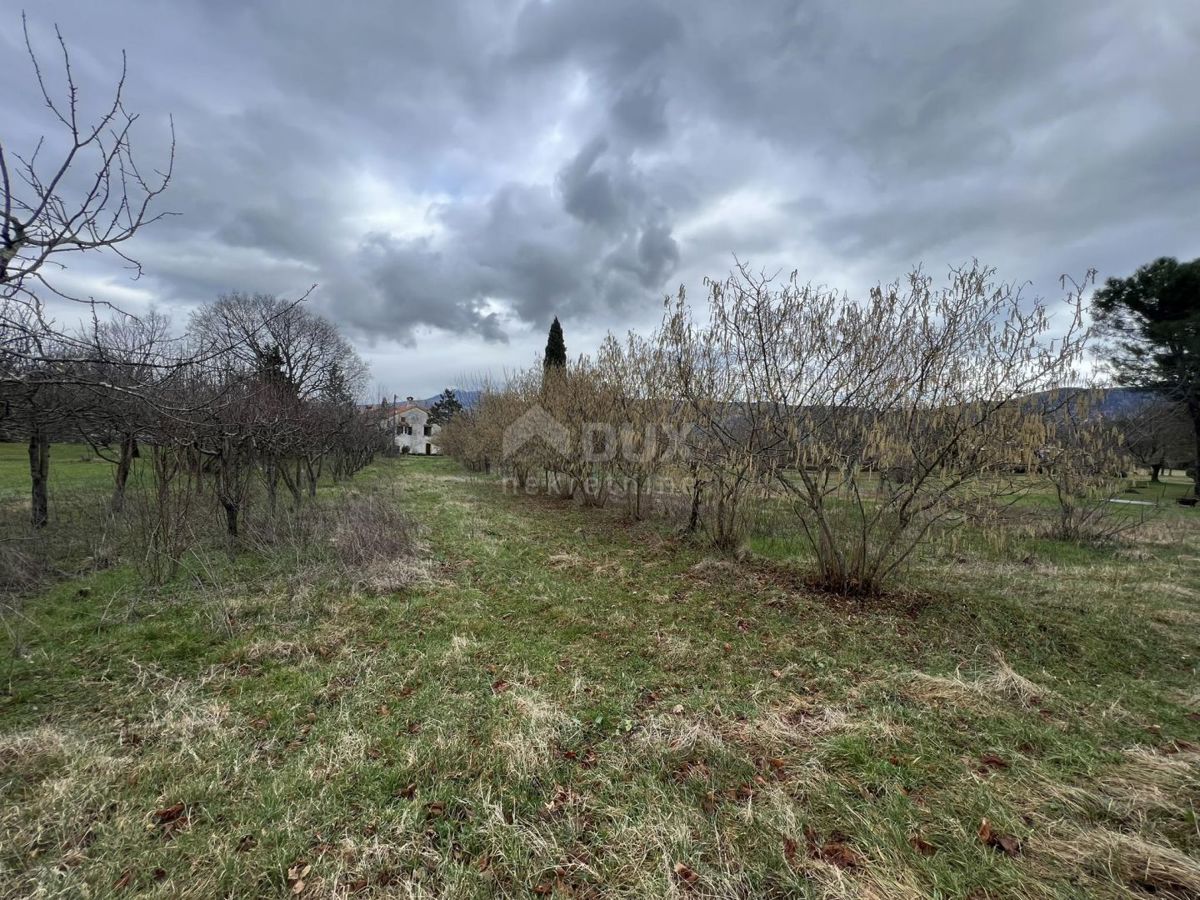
453, 175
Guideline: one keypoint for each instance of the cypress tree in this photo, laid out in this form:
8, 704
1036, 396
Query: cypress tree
556, 348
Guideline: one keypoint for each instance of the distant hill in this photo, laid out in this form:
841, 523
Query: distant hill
468, 399
1109, 403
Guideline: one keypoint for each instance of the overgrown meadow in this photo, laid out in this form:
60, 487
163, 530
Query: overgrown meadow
519, 696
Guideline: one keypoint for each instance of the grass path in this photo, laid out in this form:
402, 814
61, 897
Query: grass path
574, 705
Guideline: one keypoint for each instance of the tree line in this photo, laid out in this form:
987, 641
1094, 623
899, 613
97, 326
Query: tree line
874, 425
255, 389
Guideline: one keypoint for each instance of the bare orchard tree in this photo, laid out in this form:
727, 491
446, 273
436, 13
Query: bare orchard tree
131, 366
40, 402
78, 191
284, 383
896, 416
1159, 436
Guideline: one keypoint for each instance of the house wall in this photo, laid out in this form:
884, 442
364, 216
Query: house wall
414, 419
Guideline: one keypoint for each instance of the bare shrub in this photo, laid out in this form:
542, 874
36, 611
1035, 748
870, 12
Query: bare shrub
879, 425
369, 527
887, 420
1084, 458
19, 568
161, 518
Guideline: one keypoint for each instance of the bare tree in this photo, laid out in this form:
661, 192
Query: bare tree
92, 197
307, 349
1159, 436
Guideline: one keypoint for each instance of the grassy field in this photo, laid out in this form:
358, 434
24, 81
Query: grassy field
563, 703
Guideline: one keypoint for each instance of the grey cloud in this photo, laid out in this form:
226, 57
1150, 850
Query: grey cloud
476, 168
618, 34
588, 193
639, 111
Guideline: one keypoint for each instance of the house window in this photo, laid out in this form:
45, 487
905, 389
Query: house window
408, 429
428, 430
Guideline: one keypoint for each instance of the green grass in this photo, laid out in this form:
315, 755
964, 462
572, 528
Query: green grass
73, 468
567, 703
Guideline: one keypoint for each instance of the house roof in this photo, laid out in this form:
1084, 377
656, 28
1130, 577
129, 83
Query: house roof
385, 412
404, 407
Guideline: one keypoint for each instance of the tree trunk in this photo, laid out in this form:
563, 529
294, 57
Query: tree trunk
121, 475
39, 473
694, 517
293, 485
273, 473
231, 518
1194, 411
1155, 472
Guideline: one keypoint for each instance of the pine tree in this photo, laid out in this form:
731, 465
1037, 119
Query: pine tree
556, 348
1153, 321
444, 408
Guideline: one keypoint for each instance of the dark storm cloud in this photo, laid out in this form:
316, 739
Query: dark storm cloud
477, 168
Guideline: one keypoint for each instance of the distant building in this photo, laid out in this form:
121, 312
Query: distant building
408, 422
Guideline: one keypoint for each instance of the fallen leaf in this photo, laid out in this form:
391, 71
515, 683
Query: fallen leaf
922, 846
298, 870
685, 874
1005, 843
124, 881
543, 888
247, 843
298, 887
406, 793
991, 762
499, 686
838, 854
169, 814
741, 792
789, 849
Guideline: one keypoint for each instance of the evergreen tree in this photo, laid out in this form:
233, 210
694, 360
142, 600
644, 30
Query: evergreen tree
1153, 318
270, 367
336, 390
444, 408
556, 348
